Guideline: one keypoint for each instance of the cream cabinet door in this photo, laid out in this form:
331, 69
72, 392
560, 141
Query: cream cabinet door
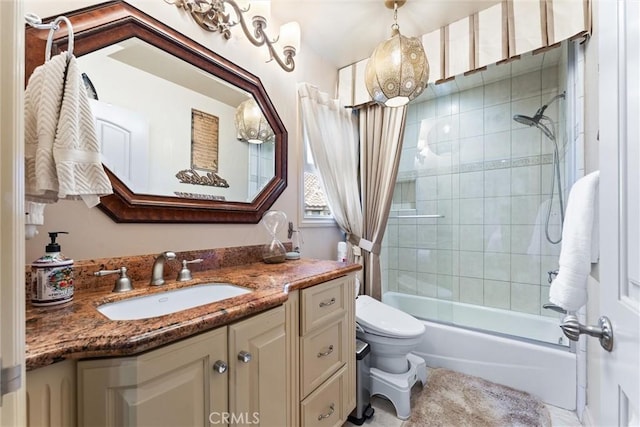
173, 386
257, 367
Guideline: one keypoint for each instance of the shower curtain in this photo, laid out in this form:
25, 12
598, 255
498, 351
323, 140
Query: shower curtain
332, 133
381, 136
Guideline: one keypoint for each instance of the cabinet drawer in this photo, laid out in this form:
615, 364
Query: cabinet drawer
325, 406
323, 303
323, 352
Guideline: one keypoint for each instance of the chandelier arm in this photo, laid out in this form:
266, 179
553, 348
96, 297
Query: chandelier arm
212, 18
289, 52
260, 37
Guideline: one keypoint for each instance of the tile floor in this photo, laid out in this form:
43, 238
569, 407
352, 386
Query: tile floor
385, 415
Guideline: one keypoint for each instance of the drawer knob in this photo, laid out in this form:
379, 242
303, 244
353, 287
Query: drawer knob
326, 353
220, 367
244, 356
328, 414
328, 303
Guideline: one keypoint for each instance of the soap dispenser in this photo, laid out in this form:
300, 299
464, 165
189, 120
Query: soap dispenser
52, 275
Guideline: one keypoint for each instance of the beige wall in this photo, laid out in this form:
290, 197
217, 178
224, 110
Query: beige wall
93, 234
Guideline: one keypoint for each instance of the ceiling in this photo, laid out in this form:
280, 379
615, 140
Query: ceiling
346, 31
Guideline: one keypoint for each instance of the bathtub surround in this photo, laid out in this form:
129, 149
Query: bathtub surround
454, 399
487, 176
569, 288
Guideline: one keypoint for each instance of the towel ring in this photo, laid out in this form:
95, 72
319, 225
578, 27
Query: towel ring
55, 25
35, 21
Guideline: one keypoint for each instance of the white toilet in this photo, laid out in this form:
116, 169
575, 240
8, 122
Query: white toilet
392, 334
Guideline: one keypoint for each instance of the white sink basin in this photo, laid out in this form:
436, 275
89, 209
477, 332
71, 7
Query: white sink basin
169, 302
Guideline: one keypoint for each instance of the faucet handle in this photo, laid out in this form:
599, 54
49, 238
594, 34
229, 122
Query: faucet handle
123, 283
185, 274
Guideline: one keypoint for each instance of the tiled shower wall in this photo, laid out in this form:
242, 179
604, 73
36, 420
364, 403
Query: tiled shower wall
489, 177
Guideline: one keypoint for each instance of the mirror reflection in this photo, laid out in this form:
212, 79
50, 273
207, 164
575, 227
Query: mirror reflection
169, 129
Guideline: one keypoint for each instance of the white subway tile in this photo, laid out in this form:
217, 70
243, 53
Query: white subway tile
471, 99
497, 294
427, 285
445, 262
471, 123
407, 282
472, 211
525, 142
445, 236
525, 298
471, 290
525, 269
471, 238
497, 118
407, 258
497, 146
525, 239
525, 180
497, 182
497, 238
497, 266
471, 184
497, 210
527, 210
471, 150
471, 264
497, 92
526, 85
427, 236
426, 188
427, 261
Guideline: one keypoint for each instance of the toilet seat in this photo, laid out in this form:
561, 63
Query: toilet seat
380, 319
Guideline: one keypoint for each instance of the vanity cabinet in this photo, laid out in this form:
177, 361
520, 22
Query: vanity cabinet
233, 374
293, 365
51, 395
322, 320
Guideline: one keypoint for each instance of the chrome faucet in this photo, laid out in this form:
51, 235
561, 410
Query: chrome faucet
157, 273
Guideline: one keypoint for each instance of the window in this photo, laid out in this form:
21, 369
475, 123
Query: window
315, 200
261, 167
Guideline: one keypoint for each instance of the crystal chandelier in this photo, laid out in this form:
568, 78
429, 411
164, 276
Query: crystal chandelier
398, 69
221, 15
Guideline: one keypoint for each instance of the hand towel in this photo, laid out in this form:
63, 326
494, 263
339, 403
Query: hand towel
62, 148
569, 289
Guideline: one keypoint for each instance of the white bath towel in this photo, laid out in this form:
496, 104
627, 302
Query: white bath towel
61, 146
569, 289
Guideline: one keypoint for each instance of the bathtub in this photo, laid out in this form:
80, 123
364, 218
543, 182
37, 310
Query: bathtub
544, 370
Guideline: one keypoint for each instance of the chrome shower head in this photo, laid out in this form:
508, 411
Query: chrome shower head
525, 120
535, 121
537, 117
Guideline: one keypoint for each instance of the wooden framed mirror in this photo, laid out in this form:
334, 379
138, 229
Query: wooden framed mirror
119, 27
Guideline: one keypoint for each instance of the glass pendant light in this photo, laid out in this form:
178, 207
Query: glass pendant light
398, 69
251, 124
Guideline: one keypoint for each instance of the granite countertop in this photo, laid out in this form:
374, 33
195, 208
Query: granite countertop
76, 330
